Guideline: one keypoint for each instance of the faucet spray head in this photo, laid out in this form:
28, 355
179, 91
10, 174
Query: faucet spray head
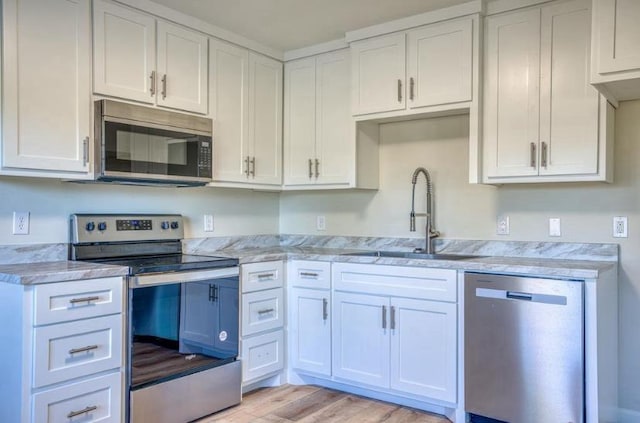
412, 222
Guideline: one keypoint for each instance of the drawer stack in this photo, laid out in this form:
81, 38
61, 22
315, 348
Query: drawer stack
72, 351
262, 333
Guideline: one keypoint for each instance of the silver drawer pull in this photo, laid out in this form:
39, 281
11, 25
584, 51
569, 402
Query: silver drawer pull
83, 349
325, 313
83, 300
86, 410
309, 274
266, 275
268, 310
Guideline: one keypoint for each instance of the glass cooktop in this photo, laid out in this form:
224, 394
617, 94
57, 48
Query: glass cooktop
170, 263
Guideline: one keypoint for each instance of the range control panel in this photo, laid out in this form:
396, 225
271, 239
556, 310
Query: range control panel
89, 228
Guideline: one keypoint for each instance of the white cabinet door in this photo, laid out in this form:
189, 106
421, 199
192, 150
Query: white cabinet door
439, 59
361, 338
124, 52
299, 121
424, 348
618, 35
511, 94
47, 85
335, 146
568, 102
182, 68
197, 311
310, 325
229, 76
378, 74
265, 119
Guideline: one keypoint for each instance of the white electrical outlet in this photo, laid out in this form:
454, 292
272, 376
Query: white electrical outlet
21, 223
620, 227
502, 227
554, 227
321, 223
208, 223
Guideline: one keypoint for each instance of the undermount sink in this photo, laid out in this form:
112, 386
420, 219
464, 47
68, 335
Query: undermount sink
421, 256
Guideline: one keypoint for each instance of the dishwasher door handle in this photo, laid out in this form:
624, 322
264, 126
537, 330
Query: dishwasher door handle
519, 296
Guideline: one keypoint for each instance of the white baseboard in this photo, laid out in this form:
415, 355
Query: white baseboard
628, 416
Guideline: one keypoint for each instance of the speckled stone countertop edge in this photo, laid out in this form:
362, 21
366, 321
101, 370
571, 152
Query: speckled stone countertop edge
57, 271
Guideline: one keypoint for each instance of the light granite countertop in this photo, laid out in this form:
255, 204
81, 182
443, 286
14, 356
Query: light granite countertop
546, 267
57, 271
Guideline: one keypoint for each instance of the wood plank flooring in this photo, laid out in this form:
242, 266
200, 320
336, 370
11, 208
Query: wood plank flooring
312, 404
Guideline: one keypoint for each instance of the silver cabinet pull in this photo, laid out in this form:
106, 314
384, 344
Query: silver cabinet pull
309, 274
266, 275
317, 168
384, 317
325, 311
399, 91
152, 88
85, 151
265, 311
253, 166
83, 300
393, 317
310, 168
164, 86
533, 155
213, 293
411, 86
83, 349
543, 155
246, 166
86, 410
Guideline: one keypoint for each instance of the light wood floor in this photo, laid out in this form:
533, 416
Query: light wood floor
312, 404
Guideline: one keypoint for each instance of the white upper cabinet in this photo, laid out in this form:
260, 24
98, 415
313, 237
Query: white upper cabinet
543, 121
447, 79
125, 52
615, 62
246, 106
378, 74
46, 78
136, 61
423, 69
319, 136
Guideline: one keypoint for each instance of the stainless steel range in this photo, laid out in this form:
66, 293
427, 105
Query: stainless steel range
183, 315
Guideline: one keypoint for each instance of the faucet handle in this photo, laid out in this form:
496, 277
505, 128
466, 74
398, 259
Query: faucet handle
434, 234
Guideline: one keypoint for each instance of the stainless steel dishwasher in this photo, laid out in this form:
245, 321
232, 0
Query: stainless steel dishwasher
524, 349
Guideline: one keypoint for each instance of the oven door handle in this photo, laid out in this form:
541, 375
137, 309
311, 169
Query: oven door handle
181, 277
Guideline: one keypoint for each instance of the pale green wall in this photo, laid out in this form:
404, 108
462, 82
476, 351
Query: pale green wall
469, 211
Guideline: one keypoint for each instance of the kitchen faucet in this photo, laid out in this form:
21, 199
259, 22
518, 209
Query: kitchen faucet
429, 232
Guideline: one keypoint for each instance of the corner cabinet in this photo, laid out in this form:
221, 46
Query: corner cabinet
246, 105
137, 57
46, 82
421, 69
405, 319
543, 121
615, 57
323, 146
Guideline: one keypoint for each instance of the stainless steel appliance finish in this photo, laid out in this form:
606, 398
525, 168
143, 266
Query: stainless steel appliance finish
183, 314
524, 348
143, 145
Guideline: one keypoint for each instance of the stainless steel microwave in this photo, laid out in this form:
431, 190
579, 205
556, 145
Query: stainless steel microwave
142, 145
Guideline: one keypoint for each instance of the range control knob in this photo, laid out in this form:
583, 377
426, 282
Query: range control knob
102, 226
164, 225
90, 226
174, 225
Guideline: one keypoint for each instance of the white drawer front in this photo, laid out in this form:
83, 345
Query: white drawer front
94, 400
260, 276
263, 310
262, 354
69, 350
65, 301
411, 282
310, 274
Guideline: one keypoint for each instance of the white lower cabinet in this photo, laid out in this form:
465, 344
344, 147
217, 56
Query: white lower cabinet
395, 328
262, 320
310, 330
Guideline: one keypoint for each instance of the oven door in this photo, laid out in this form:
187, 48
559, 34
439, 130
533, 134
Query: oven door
183, 344
131, 150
